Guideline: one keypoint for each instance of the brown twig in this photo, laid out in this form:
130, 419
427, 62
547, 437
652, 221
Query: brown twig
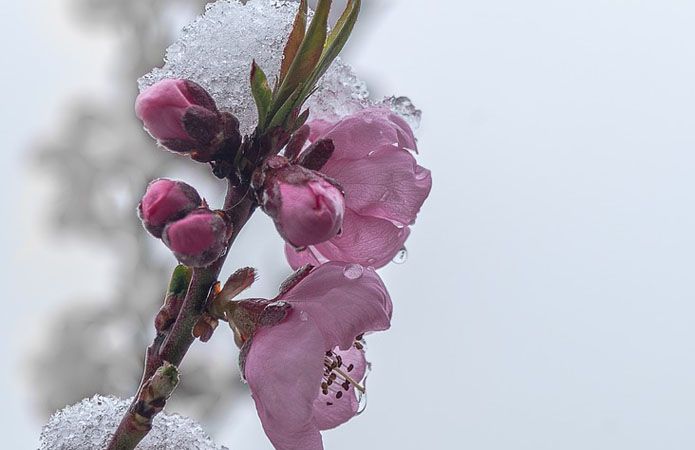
170, 346
150, 400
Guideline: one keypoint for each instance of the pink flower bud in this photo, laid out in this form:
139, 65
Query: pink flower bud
165, 201
178, 113
198, 239
307, 208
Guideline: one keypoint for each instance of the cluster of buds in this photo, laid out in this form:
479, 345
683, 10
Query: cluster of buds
184, 118
306, 206
174, 212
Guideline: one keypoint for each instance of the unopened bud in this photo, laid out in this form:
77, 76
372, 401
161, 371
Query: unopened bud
166, 201
306, 207
198, 239
180, 114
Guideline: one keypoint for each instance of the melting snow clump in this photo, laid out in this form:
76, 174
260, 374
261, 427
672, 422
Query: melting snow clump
216, 51
90, 423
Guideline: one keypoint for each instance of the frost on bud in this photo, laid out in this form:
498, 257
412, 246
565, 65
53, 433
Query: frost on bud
166, 201
198, 239
307, 207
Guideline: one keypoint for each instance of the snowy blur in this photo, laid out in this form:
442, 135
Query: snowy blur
546, 300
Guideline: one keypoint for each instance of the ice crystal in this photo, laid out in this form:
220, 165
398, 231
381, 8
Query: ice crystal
90, 423
405, 108
216, 51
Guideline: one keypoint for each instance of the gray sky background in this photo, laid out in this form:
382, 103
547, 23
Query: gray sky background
547, 302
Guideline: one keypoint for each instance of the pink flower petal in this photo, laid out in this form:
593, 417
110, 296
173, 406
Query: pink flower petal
406, 137
365, 240
283, 368
344, 301
338, 412
342, 409
318, 128
298, 258
358, 134
387, 184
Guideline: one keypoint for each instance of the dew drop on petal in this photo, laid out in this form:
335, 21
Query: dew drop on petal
353, 271
303, 316
401, 256
361, 402
362, 396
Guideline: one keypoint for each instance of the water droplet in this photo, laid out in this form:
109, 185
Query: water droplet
362, 396
303, 316
361, 402
353, 271
401, 256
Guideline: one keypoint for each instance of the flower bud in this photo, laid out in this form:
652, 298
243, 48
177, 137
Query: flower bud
198, 239
306, 207
180, 114
166, 201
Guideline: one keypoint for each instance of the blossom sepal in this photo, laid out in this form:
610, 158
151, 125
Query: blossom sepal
246, 316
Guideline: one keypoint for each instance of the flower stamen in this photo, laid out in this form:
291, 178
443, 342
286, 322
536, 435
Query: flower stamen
333, 370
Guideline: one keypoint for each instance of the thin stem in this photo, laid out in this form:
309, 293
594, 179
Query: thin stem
150, 400
171, 346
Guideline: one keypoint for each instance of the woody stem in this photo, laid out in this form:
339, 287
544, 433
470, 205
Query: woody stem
172, 345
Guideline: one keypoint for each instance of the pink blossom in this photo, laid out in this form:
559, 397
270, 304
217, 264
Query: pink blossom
384, 188
198, 239
165, 201
307, 208
304, 372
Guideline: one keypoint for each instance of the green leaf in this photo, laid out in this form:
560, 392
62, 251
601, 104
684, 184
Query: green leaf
301, 120
335, 42
180, 279
262, 94
307, 57
294, 41
283, 113
345, 23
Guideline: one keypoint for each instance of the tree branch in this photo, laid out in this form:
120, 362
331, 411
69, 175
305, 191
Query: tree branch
170, 346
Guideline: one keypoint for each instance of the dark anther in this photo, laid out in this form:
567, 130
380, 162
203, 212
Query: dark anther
350, 367
358, 346
329, 403
338, 394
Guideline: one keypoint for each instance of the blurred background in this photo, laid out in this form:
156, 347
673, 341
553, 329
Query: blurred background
548, 298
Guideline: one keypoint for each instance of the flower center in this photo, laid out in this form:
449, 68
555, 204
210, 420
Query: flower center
336, 376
